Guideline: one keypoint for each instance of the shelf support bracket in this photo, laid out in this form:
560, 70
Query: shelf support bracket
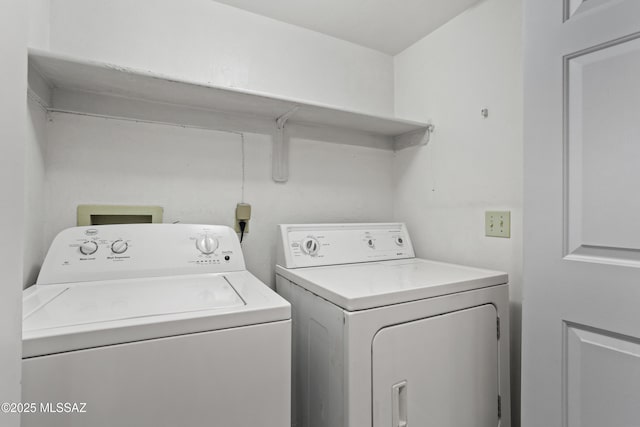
414, 138
280, 155
427, 134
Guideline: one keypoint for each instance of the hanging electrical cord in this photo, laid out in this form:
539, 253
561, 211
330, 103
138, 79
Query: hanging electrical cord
243, 167
243, 225
243, 210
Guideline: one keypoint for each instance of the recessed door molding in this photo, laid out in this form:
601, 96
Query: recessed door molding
599, 220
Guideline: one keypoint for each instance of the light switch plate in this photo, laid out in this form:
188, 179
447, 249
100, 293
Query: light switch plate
497, 224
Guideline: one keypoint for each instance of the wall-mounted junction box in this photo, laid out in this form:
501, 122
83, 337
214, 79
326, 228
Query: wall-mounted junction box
243, 213
497, 223
114, 214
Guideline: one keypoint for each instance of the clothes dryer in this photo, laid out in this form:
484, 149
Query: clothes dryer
382, 338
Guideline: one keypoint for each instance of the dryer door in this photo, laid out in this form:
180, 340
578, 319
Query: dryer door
439, 371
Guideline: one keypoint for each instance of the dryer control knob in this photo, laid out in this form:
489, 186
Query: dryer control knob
88, 248
119, 247
207, 244
310, 246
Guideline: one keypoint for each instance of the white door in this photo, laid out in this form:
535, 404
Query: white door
581, 303
441, 371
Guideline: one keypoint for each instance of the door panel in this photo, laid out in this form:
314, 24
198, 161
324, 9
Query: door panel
603, 382
439, 371
579, 7
581, 323
602, 122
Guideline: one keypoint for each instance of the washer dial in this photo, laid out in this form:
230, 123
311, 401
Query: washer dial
88, 248
207, 244
119, 247
310, 246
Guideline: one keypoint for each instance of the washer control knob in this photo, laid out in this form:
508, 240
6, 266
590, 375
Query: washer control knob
88, 248
119, 247
207, 244
399, 241
310, 246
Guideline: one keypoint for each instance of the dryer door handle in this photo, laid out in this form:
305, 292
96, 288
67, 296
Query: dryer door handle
399, 405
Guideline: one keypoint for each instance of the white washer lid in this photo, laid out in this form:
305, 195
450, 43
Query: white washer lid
377, 284
66, 317
86, 303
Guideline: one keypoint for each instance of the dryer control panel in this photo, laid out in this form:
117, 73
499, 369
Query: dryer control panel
126, 251
308, 245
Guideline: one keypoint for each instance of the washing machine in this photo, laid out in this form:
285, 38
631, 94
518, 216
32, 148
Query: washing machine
153, 325
382, 338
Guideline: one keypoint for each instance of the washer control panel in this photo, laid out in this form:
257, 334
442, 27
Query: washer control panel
307, 245
140, 250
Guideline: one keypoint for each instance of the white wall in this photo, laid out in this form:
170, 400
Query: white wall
196, 175
39, 23
34, 167
34, 171
471, 164
13, 21
205, 41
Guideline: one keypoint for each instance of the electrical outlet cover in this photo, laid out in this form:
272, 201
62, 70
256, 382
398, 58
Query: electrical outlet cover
497, 224
243, 213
